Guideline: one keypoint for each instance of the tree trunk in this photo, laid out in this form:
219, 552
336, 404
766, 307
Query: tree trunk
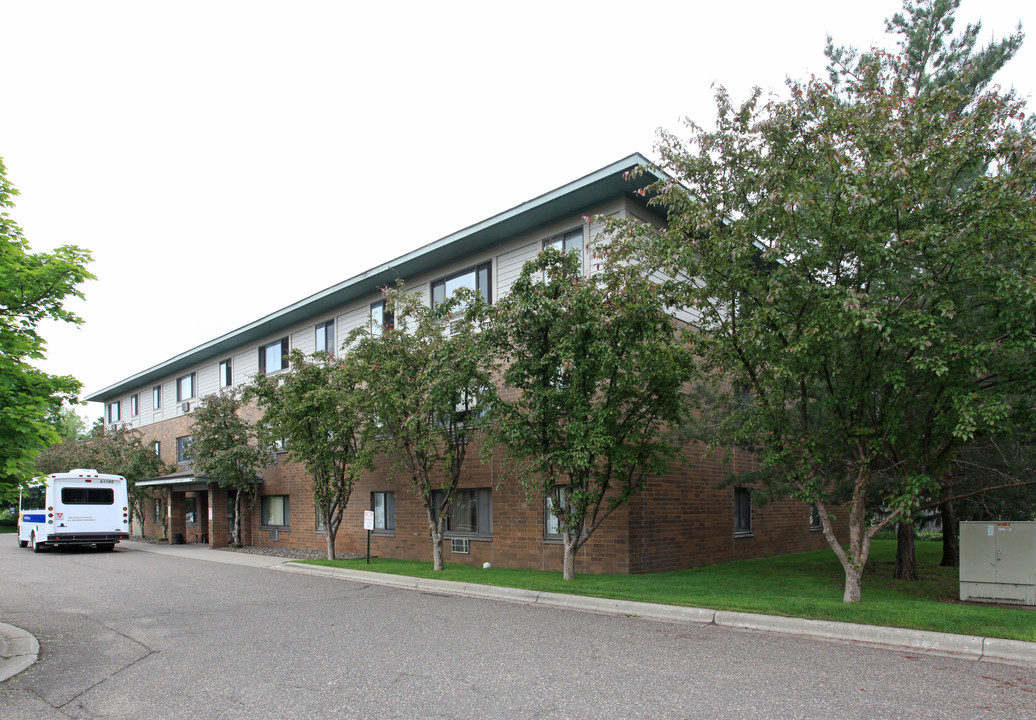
330, 533
906, 557
568, 567
950, 540
436, 533
853, 581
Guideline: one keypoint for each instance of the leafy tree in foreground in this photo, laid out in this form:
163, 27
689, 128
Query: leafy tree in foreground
846, 278
33, 288
598, 367
119, 452
225, 448
316, 405
427, 388
934, 57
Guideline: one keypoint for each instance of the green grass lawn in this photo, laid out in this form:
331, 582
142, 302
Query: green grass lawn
807, 585
8, 529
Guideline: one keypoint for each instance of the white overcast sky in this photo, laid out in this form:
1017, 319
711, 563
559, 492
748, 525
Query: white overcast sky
222, 160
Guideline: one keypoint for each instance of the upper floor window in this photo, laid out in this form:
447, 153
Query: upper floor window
114, 412
477, 278
226, 373
572, 241
156, 397
325, 340
380, 319
273, 356
185, 387
134, 407
182, 443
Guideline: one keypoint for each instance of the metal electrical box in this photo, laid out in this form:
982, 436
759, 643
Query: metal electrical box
998, 562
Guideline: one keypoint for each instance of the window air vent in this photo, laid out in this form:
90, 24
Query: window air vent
275, 534
186, 407
460, 545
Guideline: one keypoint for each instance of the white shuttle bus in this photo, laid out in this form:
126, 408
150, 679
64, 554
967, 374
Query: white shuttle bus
80, 507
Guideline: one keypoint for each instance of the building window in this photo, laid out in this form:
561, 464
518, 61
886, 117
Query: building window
380, 319
158, 448
325, 340
159, 517
226, 373
273, 357
384, 506
814, 518
274, 512
134, 407
185, 387
551, 526
114, 412
470, 512
182, 443
476, 278
571, 241
190, 510
156, 397
742, 511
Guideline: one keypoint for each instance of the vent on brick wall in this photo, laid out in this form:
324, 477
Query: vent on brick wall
275, 534
460, 545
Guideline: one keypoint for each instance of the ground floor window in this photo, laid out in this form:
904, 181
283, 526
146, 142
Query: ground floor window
190, 510
814, 518
274, 512
470, 512
742, 511
159, 515
384, 506
551, 526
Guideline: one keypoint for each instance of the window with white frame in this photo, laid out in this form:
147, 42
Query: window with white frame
551, 525
380, 318
273, 357
158, 448
571, 241
384, 506
226, 373
325, 337
134, 406
182, 444
274, 512
470, 513
185, 387
114, 412
742, 511
476, 278
156, 397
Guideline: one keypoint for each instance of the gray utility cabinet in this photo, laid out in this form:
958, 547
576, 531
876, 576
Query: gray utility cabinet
998, 562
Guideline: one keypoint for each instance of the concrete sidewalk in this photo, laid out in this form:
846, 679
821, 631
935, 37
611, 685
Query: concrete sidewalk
19, 649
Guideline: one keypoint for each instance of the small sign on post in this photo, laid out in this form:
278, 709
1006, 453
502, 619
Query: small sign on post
368, 525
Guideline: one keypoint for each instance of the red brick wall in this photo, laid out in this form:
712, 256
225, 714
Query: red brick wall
682, 519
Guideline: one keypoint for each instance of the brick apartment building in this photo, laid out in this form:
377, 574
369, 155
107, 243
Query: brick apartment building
684, 518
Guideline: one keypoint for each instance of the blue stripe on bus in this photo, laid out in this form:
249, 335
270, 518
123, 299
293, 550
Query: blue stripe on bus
34, 518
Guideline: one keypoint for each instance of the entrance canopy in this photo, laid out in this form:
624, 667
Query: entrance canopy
184, 481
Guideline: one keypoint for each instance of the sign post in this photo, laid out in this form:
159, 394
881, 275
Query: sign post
368, 525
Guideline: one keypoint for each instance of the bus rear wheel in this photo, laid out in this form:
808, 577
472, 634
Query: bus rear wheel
36, 546
23, 543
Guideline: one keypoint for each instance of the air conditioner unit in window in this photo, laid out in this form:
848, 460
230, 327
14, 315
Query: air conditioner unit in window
460, 545
186, 407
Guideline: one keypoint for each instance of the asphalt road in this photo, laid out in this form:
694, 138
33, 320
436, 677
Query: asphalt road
136, 635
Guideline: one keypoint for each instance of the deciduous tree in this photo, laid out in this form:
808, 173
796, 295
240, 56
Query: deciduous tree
317, 407
598, 369
33, 287
427, 383
848, 279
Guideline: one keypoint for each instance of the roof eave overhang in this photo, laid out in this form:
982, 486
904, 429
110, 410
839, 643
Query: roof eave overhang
577, 197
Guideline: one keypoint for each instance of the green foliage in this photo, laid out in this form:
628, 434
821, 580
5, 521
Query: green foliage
850, 279
225, 449
427, 392
597, 367
118, 452
317, 405
34, 288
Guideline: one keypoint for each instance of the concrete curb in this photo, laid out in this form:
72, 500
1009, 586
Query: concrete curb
1012, 652
19, 649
